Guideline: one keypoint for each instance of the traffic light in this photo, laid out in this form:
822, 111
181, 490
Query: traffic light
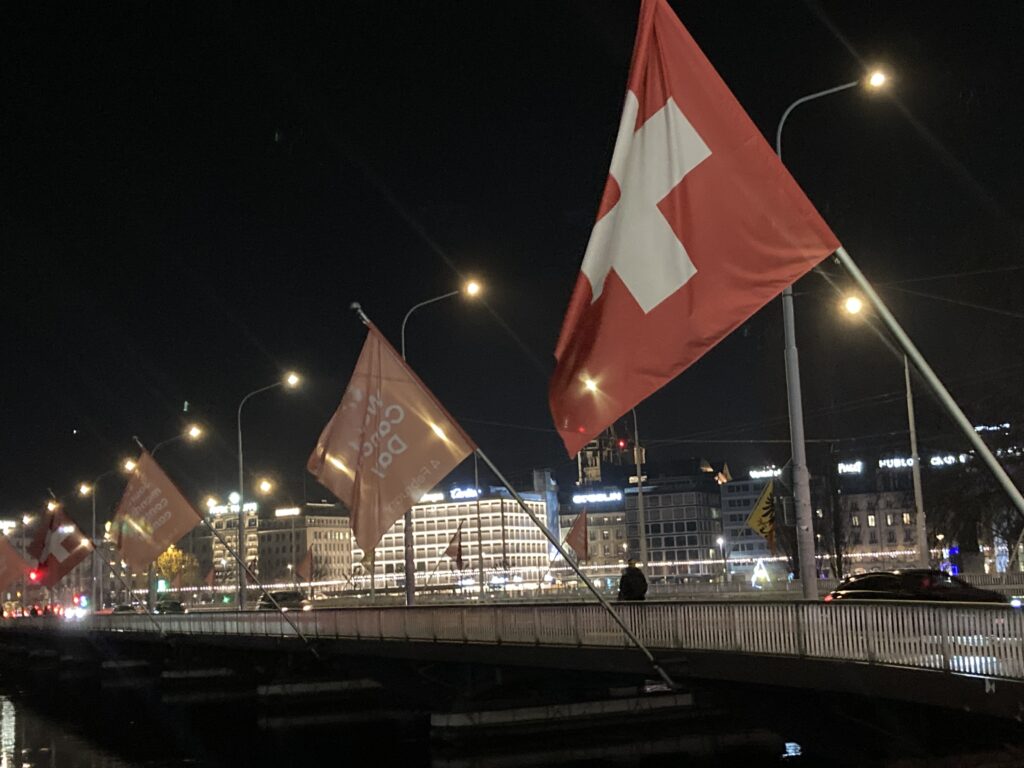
35, 575
622, 444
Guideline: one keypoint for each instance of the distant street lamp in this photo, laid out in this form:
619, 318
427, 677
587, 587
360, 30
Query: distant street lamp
472, 288
721, 549
801, 480
290, 381
853, 306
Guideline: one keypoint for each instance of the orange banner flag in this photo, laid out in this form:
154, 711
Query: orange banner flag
12, 565
388, 443
152, 515
304, 570
577, 538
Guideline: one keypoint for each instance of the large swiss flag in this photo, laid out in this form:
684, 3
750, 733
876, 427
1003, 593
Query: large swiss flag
59, 546
700, 225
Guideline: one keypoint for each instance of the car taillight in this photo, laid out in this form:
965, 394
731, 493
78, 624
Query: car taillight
828, 598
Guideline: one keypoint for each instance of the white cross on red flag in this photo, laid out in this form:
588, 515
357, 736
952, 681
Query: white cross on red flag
59, 545
700, 226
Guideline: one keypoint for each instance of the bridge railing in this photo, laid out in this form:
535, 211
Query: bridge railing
957, 638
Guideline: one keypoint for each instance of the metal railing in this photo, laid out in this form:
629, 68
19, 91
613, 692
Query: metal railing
956, 638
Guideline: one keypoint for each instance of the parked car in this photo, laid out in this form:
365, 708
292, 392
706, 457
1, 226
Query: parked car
912, 584
124, 608
169, 606
289, 600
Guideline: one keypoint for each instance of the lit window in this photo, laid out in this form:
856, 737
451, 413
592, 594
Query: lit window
888, 519
855, 521
906, 518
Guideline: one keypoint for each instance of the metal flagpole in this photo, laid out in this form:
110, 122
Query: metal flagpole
247, 572
640, 517
932, 380
479, 523
921, 530
600, 598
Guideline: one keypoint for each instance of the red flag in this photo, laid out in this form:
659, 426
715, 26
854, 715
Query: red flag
700, 225
304, 570
63, 546
454, 550
12, 565
388, 443
577, 538
152, 515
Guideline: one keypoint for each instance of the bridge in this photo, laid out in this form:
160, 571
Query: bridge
962, 656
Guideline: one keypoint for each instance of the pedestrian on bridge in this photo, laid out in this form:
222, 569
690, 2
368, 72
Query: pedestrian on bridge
633, 584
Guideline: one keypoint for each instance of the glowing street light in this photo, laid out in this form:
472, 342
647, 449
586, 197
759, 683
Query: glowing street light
265, 486
473, 288
194, 432
292, 380
129, 465
853, 305
211, 502
801, 489
84, 489
52, 505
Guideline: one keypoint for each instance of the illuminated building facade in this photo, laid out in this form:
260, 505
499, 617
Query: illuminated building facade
495, 531
317, 530
224, 519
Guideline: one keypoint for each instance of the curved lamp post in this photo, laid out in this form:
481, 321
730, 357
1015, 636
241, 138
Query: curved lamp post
289, 381
801, 480
471, 289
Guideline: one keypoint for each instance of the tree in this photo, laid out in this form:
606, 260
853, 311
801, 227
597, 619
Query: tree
177, 566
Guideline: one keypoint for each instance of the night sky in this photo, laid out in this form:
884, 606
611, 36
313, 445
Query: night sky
192, 196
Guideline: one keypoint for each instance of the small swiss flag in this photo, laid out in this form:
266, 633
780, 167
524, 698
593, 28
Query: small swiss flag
59, 546
700, 225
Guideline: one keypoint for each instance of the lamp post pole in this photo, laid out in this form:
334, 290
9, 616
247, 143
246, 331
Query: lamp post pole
801, 478
240, 546
640, 517
472, 288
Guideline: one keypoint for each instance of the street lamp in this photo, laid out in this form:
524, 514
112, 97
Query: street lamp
289, 381
472, 289
264, 486
853, 306
801, 480
721, 549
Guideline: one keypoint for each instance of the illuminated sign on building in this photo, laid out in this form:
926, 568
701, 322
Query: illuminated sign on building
463, 493
992, 427
896, 462
220, 509
764, 472
597, 498
948, 460
431, 498
287, 512
851, 467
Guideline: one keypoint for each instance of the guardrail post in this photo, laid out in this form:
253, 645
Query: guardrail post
801, 628
947, 660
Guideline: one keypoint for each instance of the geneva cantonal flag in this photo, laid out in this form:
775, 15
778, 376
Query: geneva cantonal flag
699, 226
388, 443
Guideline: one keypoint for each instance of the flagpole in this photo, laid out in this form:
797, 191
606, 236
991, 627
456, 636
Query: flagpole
940, 392
600, 598
248, 572
479, 524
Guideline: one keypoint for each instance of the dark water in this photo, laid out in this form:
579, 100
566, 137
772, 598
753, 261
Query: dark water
51, 723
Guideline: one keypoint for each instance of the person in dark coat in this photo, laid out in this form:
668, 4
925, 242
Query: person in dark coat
632, 585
